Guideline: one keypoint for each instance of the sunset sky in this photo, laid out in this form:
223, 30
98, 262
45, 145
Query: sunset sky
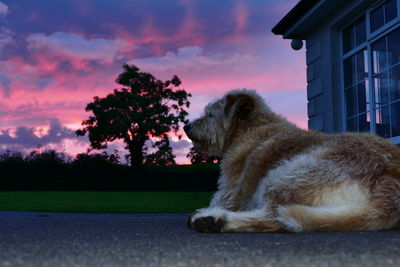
56, 55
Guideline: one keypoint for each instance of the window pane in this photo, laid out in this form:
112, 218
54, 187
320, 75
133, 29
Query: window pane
363, 123
349, 71
382, 122
359, 123
377, 19
394, 47
348, 39
390, 10
360, 31
351, 101
379, 55
381, 89
362, 98
367, 94
360, 66
395, 118
352, 125
394, 82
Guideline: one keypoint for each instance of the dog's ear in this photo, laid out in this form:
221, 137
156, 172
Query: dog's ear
238, 106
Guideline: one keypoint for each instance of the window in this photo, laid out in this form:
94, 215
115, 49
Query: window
371, 71
386, 70
382, 14
356, 77
354, 35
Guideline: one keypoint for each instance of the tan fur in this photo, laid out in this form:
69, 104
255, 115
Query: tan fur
277, 177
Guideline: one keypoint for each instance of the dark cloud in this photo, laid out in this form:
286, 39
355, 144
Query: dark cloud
25, 137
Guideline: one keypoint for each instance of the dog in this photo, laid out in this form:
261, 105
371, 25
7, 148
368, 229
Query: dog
276, 177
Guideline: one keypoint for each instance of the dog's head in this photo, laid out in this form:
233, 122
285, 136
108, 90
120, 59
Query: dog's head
222, 120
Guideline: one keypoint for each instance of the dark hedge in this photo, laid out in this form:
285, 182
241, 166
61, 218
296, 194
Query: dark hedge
19, 176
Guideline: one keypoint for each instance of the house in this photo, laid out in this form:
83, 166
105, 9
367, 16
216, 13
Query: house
353, 63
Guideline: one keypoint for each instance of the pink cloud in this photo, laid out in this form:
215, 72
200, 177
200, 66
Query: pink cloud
41, 90
191, 32
190, 29
240, 15
152, 37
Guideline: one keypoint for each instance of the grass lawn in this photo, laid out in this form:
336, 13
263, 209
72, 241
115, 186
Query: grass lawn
103, 202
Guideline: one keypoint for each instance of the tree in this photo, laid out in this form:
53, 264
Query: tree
163, 156
48, 158
197, 157
96, 159
12, 159
144, 107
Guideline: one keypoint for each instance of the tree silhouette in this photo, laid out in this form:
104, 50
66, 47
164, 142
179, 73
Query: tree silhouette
196, 157
143, 107
163, 156
12, 159
96, 159
48, 158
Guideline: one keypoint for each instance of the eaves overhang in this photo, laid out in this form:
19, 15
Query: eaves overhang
304, 17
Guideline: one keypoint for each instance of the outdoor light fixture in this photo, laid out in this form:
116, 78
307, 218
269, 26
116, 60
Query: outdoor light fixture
297, 44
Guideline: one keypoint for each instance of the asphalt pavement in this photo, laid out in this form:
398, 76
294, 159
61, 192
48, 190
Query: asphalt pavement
57, 239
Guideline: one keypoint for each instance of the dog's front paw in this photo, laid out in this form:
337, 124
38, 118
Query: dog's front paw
208, 224
189, 221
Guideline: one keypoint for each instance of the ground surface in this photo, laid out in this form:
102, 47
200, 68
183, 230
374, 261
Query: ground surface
45, 239
103, 202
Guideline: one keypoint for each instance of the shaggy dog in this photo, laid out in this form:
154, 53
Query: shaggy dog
276, 177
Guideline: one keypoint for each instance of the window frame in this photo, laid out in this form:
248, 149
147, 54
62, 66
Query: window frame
371, 37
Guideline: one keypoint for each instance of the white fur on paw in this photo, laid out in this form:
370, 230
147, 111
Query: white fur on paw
217, 213
288, 222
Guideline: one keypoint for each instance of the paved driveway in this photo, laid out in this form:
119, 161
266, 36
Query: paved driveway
41, 239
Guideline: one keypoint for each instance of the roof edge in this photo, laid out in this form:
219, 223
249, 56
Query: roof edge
298, 11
